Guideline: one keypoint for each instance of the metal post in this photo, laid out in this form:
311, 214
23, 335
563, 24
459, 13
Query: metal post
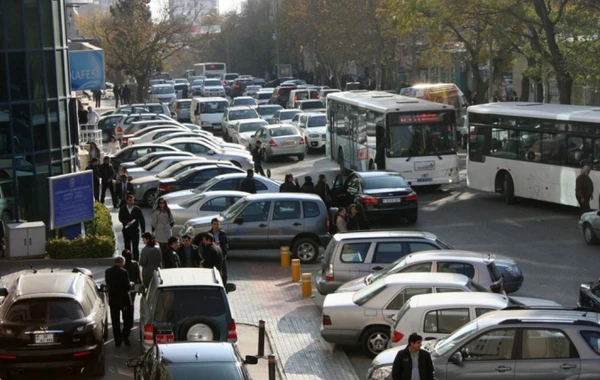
261, 338
276, 16
491, 72
272, 367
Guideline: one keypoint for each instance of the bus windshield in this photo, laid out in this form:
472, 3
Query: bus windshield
408, 137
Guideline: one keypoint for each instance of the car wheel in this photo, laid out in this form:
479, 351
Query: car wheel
589, 235
307, 250
265, 156
374, 340
509, 189
300, 157
150, 197
199, 329
98, 369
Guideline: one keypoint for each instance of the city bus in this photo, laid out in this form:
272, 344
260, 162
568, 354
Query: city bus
370, 130
532, 150
210, 69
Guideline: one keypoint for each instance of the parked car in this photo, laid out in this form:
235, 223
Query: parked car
239, 86
133, 152
280, 140
107, 125
229, 182
589, 295
315, 105
202, 137
185, 304
589, 224
284, 116
197, 87
242, 131
326, 91
240, 158
281, 95
180, 88
124, 126
145, 160
301, 94
203, 204
251, 90
212, 87
124, 135
48, 318
194, 177
270, 220
314, 129
267, 111
153, 133
186, 360
181, 109
198, 134
164, 93
244, 101
234, 114
157, 166
507, 344
262, 96
128, 109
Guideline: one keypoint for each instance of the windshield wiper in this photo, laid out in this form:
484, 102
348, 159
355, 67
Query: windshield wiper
409, 157
437, 154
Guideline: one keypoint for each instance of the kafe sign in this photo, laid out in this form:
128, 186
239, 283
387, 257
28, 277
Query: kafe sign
87, 70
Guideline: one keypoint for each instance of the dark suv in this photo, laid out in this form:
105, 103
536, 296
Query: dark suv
53, 320
185, 304
281, 95
239, 86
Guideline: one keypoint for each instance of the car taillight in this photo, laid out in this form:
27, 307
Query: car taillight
329, 273
370, 200
82, 353
272, 143
278, 95
326, 320
119, 129
148, 334
8, 357
162, 187
224, 82
231, 332
318, 96
295, 97
397, 337
237, 86
125, 140
496, 288
301, 140
411, 197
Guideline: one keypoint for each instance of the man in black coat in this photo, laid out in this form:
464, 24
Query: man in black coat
170, 259
132, 219
220, 240
257, 157
107, 173
413, 359
248, 184
117, 280
322, 190
122, 189
290, 185
189, 254
94, 167
211, 253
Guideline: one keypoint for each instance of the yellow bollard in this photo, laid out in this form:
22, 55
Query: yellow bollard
295, 270
306, 285
285, 256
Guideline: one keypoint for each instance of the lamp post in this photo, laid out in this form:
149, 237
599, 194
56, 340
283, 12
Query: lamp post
276, 38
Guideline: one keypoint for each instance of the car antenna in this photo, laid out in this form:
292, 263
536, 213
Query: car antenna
33, 269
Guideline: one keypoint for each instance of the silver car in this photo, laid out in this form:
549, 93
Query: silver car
242, 131
240, 158
157, 166
181, 109
589, 224
284, 116
266, 111
197, 136
212, 87
153, 133
203, 204
229, 182
234, 114
528, 344
280, 140
145, 160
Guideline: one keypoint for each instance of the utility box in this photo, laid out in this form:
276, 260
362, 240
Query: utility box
25, 240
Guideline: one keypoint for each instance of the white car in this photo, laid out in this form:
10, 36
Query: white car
157, 166
196, 136
244, 101
266, 111
243, 130
212, 87
150, 134
163, 93
251, 90
263, 96
201, 133
314, 129
589, 224
239, 158
203, 204
234, 114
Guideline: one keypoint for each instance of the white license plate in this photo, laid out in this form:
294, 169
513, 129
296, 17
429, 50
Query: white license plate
425, 180
44, 338
288, 143
392, 200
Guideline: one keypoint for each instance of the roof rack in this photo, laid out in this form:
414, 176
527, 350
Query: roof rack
558, 321
577, 308
214, 273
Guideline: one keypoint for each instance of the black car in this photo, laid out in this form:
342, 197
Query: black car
281, 95
53, 320
192, 360
195, 177
381, 193
589, 295
239, 86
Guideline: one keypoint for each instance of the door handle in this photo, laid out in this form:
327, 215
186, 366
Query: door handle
377, 268
262, 225
430, 338
297, 224
503, 369
25, 241
567, 366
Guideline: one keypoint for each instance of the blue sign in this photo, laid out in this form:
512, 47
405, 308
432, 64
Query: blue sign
87, 70
71, 199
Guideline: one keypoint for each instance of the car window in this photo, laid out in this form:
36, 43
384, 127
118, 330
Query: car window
353, 185
492, 345
481, 311
44, 310
546, 344
417, 268
386, 253
219, 204
260, 186
256, 212
203, 176
283, 131
284, 210
448, 290
354, 252
406, 294
226, 184
177, 304
454, 267
445, 321
198, 148
494, 272
419, 246
311, 209
592, 338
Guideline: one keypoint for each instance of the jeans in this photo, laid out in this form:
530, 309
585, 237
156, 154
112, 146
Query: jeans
224, 270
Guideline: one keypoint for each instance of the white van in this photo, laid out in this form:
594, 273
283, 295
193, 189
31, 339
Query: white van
208, 112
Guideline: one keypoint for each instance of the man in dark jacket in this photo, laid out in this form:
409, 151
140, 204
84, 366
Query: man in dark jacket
125, 94
290, 185
220, 240
308, 186
107, 173
117, 280
412, 362
132, 219
257, 157
584, 189
94, 167
248, 184
189, 254
122, 189
211, 253
170, 259
322, 190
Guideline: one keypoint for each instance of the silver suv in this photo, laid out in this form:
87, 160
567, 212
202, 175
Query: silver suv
513, 344
272, 220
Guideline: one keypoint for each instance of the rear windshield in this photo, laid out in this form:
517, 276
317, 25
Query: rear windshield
176, 304
288, 115
312, 105
494, 272
209, 370
264, 95
243, 114
212, 82
401, 313
184, 104
44, 310
244, 102
213, 107
163, 90
317, 121
181, 86
285, 91
268, 110
231, 76
155, 109
384, 182
282, 131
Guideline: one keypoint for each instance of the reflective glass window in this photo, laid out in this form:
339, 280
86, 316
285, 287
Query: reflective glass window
17, 75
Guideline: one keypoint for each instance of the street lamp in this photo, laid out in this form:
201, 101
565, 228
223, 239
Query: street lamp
276, 38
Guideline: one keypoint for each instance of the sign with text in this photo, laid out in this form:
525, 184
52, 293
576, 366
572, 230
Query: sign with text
71, 199
87, 70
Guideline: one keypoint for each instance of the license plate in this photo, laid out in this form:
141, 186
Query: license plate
425, 180
288, 143
44, 338
165, 338
392, 200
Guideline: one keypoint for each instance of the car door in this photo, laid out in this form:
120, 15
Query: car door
439, 323
286, 222
457, 267
352, 260
250, 227
547, 354
490, 356
418, 246
386, 253
217, 205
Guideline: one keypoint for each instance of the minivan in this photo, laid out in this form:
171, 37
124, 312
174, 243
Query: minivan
208, 112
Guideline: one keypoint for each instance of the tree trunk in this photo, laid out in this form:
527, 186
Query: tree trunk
565, 86
141, 93
479, 86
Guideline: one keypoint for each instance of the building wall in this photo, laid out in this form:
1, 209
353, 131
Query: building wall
35, 139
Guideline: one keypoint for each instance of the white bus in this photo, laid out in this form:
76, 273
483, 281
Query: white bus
532, 150
210, 69
370, 130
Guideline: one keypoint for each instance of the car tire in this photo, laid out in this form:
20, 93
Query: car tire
374, 340
306, 250
201, 322
509, 189
150, 197
589, 235
98, 369
301, 157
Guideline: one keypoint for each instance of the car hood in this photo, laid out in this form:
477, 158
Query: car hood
386, 357
532, 302
234, 146
178, 195
176, 207
319, 130
234, 153
203, 221
128, 165
167, 180
246, 135
504, 261
137, 171
338, 300
353, 285
144, 179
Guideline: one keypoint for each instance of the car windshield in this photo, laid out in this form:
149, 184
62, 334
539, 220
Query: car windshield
384, 182
446, 345
181, 86
178, 303
264, 95
213, 107
253, 88
288, 115
234, 209
206, 185
251, 127
283, 131
391, 268
244, 102
44, 310
317, 121
209, 370
184, 104
365, 294
212, 82
163, 90
243, 114
191, 201
197, 82
152, 164
173, 170
268, 110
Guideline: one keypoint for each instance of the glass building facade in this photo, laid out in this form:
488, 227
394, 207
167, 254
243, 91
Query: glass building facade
35, 138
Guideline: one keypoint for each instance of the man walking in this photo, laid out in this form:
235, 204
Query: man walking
290, 185
584, 189
97, 98
220, 240
118, 282
93, 116
132, 219
322, 190
248, 184
413, 363
257, 157
170, 259
107, 173
93, 166
122, 189
189, 255
211, 253
117, 92
125, 94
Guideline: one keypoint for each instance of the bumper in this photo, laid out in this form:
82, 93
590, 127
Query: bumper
327, 287
55, 359
214, 93
214, 128
428, 181
286, 151
315, 142
340, 336
403, 211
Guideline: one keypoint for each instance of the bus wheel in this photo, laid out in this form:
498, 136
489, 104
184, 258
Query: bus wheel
341, 162
509, 189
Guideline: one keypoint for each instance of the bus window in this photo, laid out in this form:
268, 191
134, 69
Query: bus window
579, 151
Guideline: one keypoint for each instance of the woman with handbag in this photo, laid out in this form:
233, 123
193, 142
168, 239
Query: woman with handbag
162, 222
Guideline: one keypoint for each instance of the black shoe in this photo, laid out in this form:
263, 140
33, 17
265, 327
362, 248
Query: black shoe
117, 344
127, 342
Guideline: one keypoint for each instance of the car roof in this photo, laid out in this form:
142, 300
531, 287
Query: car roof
240, 108
185, 139
243, 175
142, 105
113, 115
209, 99
243, 97
220, 193
254, 120
188, 277
426, 278
450, 254
460, 299
195, 352
374, 234
146, 145
540, 315
47, 284
276, 196
313, 114
290, 110
376, 173
282, 125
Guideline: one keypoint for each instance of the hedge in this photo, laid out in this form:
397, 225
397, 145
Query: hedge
98, 242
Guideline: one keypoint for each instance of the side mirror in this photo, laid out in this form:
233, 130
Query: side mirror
456, 358
239, 220
103, 288
133, 363
253, 136
250, 360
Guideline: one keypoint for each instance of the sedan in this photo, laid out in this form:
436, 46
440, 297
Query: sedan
280, 140
145, 160
243, 130
244, 101
203, 204
252, 90
263, 96
589, 224
266, 111
381, 193
151, 134
234, 114
157, 166
107, 125
589, 295
284, 116
212, 87
123, 126
132, 153
202, 137
199, 148
194, 177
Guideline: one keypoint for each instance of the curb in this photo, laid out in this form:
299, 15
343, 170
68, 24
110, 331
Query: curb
279, 365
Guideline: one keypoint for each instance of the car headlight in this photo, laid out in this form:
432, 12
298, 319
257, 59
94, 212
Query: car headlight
381, 373
513, 270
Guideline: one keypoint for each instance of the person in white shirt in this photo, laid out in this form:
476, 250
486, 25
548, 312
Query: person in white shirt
113, 146
93, 116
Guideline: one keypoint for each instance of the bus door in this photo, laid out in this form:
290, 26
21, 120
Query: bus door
355, 147
331, 147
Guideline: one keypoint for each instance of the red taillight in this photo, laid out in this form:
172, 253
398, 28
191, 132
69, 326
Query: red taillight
370, 200
272, 143
162, 187
411, 198
318, 96
224, 82
148, 334
231, 332
237, 85
125, 140
295, 97
496, 288
8, 357
397, 337
119, 129
326, 320
83, 353
329, 273
301, 140
278, 95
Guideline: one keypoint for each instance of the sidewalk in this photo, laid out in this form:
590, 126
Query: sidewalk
248, 345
